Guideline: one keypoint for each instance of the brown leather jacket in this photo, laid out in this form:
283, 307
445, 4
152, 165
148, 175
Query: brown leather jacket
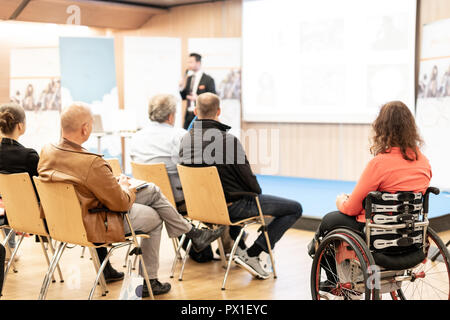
94, 184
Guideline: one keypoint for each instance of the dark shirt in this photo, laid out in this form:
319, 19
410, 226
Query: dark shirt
208, 143
15, 158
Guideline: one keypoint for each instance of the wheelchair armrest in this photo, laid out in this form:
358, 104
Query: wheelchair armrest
433, 190
426, 197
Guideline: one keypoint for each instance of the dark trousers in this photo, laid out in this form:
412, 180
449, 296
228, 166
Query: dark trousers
332, 221
188, 119
2, 266
285, 213
336, 219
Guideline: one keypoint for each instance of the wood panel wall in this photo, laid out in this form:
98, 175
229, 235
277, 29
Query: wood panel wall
326, 151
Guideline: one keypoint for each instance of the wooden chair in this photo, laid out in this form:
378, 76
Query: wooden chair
64, 219
115, 165
23, 212
205, 202
157, 174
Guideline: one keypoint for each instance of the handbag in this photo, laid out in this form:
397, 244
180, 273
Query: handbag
132, 285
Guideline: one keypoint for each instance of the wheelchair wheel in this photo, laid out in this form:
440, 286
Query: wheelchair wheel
340, 268
430, 280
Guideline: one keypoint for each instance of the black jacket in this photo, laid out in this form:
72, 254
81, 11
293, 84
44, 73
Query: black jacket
15, 158
206, 84
227, 155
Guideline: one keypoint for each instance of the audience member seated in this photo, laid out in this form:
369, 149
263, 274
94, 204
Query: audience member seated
97, 187
236, 175
398, 165
160, 140
15, 158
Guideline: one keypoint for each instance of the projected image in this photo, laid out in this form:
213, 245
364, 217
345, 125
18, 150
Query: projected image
386, 83
326, 61
266, 94
389, 32
323, 85
322, 35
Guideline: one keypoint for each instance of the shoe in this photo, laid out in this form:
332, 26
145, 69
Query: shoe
312, 248
207, 236
111, 274
251, 264
157, 288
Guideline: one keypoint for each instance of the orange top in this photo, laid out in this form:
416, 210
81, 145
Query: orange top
388, 172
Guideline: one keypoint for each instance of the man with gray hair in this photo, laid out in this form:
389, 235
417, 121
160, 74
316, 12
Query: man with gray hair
209, 144
97, 188
160, 141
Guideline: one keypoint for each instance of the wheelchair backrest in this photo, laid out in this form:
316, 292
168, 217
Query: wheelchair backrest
396, 223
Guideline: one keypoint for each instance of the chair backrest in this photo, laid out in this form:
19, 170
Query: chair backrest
115, 165
203, 193
399, 218
21, 204
155, 173
62, 212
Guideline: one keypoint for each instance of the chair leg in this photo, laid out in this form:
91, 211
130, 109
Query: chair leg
230, 259
46, 256
101, 268
96, 262
266, 235
11, 259
223, 256
186, 255
146, 279
175, 244
51, 270
125, 263
6, 245
177, 254
52, 249
141, 259
82, 252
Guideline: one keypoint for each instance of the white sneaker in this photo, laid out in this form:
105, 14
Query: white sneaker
251, 264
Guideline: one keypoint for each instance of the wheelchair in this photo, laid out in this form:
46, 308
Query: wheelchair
390, 258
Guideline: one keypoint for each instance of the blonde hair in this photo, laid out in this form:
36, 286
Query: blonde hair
161, 107
207, 105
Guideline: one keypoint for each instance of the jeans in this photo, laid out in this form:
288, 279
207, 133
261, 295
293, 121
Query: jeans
285, 213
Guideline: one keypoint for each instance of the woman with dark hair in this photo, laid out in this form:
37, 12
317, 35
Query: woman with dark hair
398, 165
14, 158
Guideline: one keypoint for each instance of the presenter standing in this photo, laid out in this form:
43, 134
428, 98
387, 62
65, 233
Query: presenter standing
195, 83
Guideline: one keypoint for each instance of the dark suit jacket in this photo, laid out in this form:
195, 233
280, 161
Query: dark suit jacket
15, 158
206, 84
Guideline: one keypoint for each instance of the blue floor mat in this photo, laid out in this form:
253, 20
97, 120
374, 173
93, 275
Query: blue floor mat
318, 197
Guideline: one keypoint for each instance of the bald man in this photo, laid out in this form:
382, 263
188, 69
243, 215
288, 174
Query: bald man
97, 187
208, 143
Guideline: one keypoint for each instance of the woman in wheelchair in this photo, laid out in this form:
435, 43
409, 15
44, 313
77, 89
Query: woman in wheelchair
346, 246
